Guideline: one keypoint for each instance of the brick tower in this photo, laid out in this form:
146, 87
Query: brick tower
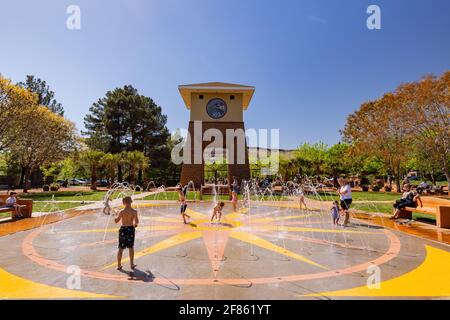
218, 106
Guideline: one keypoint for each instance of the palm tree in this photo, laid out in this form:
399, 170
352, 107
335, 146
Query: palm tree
137, 161
111, 163
93, 160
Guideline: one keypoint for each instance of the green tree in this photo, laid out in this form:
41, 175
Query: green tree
92, 159
426, 110
313, 156
124, 120
45, 96
137, 162
337, 160
111, 163
43, 137
14, 102
68, 169
377, 129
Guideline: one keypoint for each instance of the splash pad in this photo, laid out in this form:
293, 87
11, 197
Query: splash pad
267, 250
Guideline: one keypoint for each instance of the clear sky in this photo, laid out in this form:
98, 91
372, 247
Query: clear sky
312, 61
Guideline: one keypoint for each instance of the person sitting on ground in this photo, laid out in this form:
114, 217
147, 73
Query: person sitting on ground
409, 199
130, 221
11, 202
217, 213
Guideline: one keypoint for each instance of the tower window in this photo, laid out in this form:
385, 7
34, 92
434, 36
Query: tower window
200, 97
232, 97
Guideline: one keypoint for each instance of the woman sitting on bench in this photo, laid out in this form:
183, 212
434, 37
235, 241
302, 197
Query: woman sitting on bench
409, 199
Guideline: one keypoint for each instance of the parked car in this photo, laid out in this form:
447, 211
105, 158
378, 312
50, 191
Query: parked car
77, 182
102, 183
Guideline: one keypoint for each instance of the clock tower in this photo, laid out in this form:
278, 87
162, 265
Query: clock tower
219, 106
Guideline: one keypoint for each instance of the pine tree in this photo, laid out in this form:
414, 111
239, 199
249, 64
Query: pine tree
45, 96
124, 120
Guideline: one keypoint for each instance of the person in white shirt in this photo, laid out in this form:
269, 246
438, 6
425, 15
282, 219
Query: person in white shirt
11, 202
345, 195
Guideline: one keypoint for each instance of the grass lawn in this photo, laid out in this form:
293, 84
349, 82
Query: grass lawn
173, 195
52, 207
359, 196
5, 215
387, 208
68, 195
47, 207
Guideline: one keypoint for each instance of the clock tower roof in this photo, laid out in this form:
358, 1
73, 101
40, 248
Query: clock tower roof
216, 87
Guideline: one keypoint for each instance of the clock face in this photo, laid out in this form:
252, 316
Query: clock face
216, 108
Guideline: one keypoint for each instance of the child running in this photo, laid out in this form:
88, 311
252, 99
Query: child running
335, 212
182, 197
130, 221
301, 199
217, 213
107, 207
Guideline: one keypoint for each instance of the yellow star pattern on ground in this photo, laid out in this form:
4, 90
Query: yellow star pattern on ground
236, 225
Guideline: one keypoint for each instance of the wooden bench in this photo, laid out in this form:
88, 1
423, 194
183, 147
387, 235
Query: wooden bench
435, 206
27, 210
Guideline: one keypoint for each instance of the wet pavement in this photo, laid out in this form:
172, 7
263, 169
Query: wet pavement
270, 251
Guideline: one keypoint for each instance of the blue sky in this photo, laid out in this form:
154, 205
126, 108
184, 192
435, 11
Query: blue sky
312, 61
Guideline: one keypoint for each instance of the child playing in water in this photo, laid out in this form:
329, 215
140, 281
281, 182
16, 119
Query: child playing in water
234, 200
217, 213
182, 197
130, 221
107, 207
301, 199
335, 212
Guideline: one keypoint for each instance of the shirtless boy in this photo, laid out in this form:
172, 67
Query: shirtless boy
130, 221
182, 197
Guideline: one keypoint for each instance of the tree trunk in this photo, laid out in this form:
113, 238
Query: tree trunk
132, 176
22, 176
119, 173
447, 173
139, 179
25, 180
397, 179
94, 178
433, 179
